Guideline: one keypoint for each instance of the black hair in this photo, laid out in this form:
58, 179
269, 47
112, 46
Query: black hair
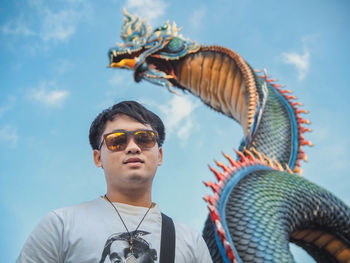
132, 109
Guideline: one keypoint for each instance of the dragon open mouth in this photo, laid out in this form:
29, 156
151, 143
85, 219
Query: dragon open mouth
166, 66
123, 59
128, 59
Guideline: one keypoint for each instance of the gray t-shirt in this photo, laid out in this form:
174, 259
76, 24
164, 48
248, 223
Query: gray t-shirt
93, 232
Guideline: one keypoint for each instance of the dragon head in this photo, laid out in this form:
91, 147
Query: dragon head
148, 53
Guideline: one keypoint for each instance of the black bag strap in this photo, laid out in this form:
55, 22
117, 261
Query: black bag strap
167, 241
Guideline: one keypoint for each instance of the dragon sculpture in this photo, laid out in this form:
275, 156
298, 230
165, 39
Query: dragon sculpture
260, 203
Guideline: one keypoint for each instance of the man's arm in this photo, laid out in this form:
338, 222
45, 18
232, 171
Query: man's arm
44, 245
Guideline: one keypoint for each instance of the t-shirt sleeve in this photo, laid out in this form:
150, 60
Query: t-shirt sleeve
202, 252
190, 246
45, 242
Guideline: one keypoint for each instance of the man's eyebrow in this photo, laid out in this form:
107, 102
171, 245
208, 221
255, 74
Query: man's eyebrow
123, 130
119, 130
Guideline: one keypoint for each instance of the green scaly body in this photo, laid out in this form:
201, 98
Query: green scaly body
259, 204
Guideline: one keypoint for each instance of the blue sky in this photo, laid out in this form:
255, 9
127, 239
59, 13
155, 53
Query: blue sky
54, 81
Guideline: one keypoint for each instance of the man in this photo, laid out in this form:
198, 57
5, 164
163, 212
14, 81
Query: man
124, 225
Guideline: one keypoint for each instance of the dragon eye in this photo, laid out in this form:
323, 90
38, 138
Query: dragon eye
175, 45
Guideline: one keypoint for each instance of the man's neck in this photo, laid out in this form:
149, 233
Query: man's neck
130, 199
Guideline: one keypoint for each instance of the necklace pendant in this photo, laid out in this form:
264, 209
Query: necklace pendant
130, 259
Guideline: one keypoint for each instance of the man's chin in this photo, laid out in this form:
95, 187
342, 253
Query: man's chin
138, 180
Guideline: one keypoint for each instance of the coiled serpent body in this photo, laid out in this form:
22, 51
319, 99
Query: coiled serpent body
260, 203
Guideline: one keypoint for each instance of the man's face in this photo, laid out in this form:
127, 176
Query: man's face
132, 168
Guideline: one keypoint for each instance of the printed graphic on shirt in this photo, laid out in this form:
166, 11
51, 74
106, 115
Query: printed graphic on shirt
117, 248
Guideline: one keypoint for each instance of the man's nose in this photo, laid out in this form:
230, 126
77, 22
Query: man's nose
131, 146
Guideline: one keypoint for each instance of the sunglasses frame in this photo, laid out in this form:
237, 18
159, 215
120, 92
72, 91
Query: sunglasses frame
128, 133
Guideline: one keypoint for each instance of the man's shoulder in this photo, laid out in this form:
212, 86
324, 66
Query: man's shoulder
84, 207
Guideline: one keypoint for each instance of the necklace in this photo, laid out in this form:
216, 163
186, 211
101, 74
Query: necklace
131, 258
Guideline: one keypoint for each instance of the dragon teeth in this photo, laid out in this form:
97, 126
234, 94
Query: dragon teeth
114, 53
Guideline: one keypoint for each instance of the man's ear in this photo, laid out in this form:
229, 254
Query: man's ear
160, 156
97, 158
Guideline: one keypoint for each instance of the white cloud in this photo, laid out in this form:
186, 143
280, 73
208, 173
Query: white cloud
178, 116
8, 105
300, 61
49, 23
197, 16
8, 134
149, 9
52, 97
58, 26
16, 27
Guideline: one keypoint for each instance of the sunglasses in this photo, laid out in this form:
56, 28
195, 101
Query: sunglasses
118, 140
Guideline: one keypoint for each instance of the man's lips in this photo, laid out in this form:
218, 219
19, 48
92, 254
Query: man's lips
133, 160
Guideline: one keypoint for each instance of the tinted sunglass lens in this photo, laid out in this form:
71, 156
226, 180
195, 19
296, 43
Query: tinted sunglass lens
145, 139
116, 141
